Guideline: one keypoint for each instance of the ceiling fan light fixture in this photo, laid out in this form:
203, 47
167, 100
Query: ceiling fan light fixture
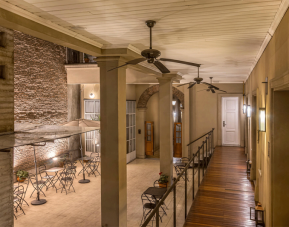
91, 95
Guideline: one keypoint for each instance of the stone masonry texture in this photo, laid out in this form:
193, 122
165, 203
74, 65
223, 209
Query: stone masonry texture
6, 125
149, 92
40, 93
6, 82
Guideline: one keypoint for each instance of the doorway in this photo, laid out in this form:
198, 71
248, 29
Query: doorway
230, 121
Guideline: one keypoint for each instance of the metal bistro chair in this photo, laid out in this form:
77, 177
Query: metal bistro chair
66, 180
70, 168
94, 164
18, 198
156, 185
22, 193
40, 184
149, 204
179, 169
44, 175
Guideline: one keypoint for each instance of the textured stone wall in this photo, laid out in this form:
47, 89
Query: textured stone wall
6, 189
6, 124
149, 92
6, 80
40, 87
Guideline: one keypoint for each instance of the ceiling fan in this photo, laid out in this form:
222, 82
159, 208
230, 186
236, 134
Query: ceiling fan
150, 55
212, 88
199, 80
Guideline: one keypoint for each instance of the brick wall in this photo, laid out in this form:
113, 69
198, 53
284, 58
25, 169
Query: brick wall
40, 87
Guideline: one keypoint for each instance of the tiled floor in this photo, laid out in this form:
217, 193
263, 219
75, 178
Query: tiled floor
82, 208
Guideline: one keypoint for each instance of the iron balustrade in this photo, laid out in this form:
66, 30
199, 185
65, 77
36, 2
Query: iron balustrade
208, 143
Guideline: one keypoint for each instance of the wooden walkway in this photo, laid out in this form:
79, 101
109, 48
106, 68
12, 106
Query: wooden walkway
225, 195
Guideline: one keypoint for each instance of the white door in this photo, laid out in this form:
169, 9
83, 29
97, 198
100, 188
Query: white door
230, 121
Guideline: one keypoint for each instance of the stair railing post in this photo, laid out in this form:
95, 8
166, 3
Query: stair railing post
206, 152
193, 177
186, 188
175, 205
157, 215
199, 176
203, 162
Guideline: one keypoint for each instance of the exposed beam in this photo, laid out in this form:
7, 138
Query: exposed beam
18, 19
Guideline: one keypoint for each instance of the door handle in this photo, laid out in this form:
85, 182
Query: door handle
224, 124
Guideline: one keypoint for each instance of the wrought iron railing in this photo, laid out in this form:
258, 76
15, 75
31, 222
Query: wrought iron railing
205, 150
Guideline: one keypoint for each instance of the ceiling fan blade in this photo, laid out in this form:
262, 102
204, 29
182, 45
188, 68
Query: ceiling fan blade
181, 62
211, 85
132, 62
161, 67
212, 90
191, 85
183, 84
222, 91
136, 61
117, 67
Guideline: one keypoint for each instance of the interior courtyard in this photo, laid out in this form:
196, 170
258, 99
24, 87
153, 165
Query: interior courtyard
144, 113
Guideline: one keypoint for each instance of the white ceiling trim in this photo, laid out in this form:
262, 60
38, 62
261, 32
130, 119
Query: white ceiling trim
278, 17
23, 13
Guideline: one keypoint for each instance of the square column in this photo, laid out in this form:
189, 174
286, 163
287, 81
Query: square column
6, 188
113, 142
166, 124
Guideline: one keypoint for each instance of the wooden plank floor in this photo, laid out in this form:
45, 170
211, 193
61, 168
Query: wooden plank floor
225, 195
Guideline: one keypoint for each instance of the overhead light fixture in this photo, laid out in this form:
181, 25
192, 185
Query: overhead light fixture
262, 119
244, 108
174, 102
91, 95
249, 111
55, 158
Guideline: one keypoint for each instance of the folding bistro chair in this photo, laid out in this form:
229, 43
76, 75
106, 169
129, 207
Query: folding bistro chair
40, 184
66, 181
70, 167
47, 178
94, 164
19, 192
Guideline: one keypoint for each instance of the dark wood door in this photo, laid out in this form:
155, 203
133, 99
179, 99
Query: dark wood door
178, 140
149, 138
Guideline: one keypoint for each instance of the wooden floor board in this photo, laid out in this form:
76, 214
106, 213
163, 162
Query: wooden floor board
225, 195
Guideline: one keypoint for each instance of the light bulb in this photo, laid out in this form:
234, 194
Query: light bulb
91, 95
174, 102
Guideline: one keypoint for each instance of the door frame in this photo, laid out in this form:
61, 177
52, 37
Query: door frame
241, 117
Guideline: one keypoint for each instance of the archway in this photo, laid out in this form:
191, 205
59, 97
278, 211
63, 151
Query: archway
149, 92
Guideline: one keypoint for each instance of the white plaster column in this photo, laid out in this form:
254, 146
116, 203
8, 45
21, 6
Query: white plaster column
166, 129
6, 188
113, 142
186, 123
140, 132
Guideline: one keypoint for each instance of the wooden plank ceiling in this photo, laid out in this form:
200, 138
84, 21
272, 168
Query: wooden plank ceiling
222, 35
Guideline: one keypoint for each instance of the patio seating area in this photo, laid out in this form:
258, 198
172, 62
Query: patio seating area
79, 209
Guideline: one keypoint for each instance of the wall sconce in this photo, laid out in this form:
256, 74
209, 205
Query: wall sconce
249, 111
91, 95
262, 119
174, 102
244, 108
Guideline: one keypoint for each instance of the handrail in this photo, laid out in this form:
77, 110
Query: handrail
173, 186
200, 137
168, 191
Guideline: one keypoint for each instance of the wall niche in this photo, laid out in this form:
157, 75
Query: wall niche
2, 39
2, 72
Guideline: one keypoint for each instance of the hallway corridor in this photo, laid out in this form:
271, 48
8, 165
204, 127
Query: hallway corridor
225, 195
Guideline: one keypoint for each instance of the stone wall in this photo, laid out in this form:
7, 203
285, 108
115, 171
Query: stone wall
6, 80
40, 87
6, 124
